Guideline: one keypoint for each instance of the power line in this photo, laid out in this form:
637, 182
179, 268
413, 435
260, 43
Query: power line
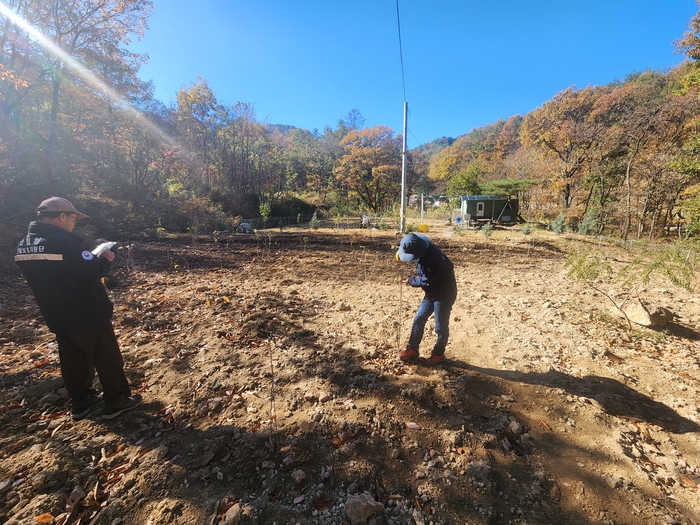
403, 77
411, 132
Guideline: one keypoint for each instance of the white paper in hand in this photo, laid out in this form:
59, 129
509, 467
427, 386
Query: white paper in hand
103, 248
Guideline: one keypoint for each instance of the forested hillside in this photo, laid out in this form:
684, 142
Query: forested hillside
76, 120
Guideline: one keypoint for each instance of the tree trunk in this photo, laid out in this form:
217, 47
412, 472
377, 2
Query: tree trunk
49, 156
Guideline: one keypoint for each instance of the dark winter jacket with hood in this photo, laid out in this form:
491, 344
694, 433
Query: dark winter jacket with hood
65, 278
436, 275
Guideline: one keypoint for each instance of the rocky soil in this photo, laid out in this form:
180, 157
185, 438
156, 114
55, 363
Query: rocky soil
273, 394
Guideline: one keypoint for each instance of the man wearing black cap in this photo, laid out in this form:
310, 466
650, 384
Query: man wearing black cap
66, 281
436, 276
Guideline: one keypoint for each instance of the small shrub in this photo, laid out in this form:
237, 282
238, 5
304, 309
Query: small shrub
265, 208
558, 224
487, 230
605, 317
410, 227
315, 223
675, 263
589, 224
527, 229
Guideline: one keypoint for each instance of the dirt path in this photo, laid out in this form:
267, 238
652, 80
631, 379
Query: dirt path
273, 393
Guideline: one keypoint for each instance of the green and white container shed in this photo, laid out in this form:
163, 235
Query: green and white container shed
489, 208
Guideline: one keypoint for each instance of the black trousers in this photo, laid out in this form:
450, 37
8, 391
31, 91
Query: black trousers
89, 350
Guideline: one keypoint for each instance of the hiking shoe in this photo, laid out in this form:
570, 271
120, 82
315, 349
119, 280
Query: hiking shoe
435, 360
121, 405
408, 355
86, 405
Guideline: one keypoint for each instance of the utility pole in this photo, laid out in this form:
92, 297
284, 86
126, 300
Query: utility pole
404, 153
421, 208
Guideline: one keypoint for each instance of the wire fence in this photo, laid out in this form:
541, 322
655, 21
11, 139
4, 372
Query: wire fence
380, 222
340, 223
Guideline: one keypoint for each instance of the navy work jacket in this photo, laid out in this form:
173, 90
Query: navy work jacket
65, 278
436, 276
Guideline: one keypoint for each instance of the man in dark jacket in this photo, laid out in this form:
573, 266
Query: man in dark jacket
436, 276
66, 281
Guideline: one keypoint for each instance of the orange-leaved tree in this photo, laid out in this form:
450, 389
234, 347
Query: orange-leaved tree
371, 166
562, 128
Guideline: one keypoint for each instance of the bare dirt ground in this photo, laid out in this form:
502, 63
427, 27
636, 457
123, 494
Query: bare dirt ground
273, 394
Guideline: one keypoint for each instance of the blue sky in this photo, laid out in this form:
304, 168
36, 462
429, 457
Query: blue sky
467, 63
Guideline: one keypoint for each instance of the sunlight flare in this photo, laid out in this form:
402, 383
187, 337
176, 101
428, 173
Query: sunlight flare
86, 74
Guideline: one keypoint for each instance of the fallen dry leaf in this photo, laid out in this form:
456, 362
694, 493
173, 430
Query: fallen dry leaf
342, 438
59, 427
226, 507
555, 493
322, 505
44, 518
615, 359
686, 376
689, 482
416, 500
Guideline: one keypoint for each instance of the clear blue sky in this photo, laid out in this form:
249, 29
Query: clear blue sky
467, 63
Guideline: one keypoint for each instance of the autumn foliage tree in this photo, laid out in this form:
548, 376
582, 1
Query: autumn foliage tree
562, 128
64, 133
371, 166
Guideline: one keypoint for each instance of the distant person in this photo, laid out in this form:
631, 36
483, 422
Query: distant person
365, 221
66, 281
436, 277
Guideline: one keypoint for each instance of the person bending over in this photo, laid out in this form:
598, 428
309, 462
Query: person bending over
436, 277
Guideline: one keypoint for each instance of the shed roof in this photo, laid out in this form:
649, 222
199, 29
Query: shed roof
482, 197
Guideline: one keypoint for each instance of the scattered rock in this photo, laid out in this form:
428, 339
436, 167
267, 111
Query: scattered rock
515, 428
233, 515
359, 508
645, 314
52, 399
5, 486
613, 482
298, 476
324, 397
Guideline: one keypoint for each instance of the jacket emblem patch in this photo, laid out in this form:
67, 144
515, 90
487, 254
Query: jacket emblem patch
87, 255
